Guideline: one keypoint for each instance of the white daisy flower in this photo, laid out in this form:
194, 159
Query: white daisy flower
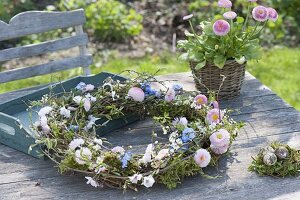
65, 112
118, 149
98, 141
148, 181
162, 154
45, 111
92, 182
135, 178
82, 155
76, 143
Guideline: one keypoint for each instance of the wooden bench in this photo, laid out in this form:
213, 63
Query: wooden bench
35, 22
267, 118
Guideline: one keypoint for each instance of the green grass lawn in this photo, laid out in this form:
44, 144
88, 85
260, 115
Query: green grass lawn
279, 69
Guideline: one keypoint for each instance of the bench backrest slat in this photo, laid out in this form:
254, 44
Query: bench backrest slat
51, 67
34, 22
44, 47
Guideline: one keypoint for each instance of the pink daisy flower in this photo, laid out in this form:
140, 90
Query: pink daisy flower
187, 17
87, 105
221, 27
200, 99
220, 138
260, 13
230, 15
170, 95
272, 14
136, 93
219, 150
224, 3
202, 157
214, 104
214, 116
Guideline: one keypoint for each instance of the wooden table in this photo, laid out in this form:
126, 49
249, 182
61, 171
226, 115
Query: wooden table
267, 118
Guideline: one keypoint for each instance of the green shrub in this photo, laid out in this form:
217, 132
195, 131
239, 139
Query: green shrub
108, 20
9, 8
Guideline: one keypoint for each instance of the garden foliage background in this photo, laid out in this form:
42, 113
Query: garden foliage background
140, 35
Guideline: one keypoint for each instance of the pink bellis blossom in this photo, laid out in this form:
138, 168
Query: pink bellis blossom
187, 17
136, 93
180, 121
219, 149
89, 87
221, 27
220, 138
118, 149
170, 95
214, 104
272, 14
200, 100
135, 178
230, 15
260, 13
214, 116
224, 4
87, 104
202, 157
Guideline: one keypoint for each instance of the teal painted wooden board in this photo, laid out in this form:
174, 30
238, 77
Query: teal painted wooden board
15, 121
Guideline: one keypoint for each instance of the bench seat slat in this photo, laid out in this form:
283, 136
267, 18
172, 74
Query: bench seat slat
51, 67
44, 47
34, 22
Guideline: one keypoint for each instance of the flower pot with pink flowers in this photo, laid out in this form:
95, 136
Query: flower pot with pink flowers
218, 55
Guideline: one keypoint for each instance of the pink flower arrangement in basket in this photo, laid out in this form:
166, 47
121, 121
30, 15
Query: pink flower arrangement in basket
228, 36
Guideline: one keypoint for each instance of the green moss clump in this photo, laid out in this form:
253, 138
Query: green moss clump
283, 167
172, 177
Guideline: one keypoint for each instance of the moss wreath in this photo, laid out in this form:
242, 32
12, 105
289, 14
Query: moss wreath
198, 132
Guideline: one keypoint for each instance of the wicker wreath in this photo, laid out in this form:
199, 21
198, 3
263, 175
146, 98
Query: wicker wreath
198, 132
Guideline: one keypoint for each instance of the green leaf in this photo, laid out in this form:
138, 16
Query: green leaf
182, 43
184, 57
219, 61
240, 20
196, 56
200, 65
188, 34
218, 17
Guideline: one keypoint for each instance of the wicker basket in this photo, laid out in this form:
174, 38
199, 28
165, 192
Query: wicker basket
210, 76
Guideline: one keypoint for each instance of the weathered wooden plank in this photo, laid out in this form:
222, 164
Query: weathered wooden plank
51, 67
44, 47
83, 49
236, 181
255, 104
33, 22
